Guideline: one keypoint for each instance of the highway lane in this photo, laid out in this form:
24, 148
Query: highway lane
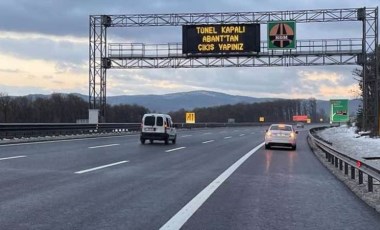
284, 189
42, 190
150, 183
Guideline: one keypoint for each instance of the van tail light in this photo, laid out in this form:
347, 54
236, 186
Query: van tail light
292, 135
269, 134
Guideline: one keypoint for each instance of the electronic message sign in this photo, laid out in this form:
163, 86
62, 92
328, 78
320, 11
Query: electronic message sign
300, 118
214, 39
282, 35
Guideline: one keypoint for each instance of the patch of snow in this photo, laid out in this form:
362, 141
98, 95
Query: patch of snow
347, 141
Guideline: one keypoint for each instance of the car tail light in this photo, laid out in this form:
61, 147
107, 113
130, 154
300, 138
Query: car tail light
292, 135
269, 134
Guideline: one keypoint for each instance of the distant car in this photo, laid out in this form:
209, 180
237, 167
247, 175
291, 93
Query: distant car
157, 127
281, 135
300, 125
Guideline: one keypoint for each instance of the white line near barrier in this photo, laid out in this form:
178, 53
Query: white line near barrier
171, 150
103, 146
180, 218
9, 158
65, 140
101, 167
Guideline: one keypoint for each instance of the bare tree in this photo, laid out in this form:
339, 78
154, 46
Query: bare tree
4, 105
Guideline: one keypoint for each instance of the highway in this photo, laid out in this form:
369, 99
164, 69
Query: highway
219, 178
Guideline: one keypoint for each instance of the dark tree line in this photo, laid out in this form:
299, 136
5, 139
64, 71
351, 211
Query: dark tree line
59, 108
359, 74
273, 111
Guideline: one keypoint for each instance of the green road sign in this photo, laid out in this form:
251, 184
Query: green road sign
339, 110
282, 35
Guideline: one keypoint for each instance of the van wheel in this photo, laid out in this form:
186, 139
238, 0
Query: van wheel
151, 141
267, 146
166, 141
294, 147
174, 140
142, 141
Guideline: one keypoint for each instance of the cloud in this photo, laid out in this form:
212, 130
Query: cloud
10, 70
333, 78
48, 41
43, 47
40, 75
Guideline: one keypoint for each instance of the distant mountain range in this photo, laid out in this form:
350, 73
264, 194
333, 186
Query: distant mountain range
195, 99
185, 100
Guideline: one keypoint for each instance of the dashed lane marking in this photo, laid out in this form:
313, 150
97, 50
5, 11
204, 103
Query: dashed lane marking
171, 150
209, 141
9, 158
102, 146
100, 167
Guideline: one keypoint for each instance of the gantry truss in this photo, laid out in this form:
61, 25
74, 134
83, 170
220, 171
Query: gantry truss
350, 51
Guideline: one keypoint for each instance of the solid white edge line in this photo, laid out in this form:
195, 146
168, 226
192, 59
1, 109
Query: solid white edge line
100, 167
209, 141
171, 150
102, 146
228, 137
8, 158
180, 218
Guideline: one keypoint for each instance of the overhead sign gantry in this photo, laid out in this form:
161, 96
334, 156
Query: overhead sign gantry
232, 40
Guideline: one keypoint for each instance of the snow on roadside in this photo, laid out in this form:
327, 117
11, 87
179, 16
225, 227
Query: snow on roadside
346, 140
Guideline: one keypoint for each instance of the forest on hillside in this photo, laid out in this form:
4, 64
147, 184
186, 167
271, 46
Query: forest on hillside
60, 108
273, 111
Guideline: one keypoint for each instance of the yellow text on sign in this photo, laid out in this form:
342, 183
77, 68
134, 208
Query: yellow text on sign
190, 118
261, 119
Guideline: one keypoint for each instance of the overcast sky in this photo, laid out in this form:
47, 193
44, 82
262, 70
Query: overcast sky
44, 49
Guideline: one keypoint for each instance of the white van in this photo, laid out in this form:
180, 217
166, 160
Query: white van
157, 126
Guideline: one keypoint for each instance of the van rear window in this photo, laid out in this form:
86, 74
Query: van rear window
160, 121
150, 120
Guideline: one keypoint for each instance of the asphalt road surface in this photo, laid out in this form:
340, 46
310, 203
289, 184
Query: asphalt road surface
218, 178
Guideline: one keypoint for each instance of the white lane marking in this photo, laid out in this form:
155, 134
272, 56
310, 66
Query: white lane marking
76, 139
101, 167
207, 133
180, 218
241, 135
171, 150
205, 142
102, 146
228, 137
8, 158
186, 135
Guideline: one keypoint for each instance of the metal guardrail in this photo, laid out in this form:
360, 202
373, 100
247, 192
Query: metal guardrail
18, 130
350, 165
